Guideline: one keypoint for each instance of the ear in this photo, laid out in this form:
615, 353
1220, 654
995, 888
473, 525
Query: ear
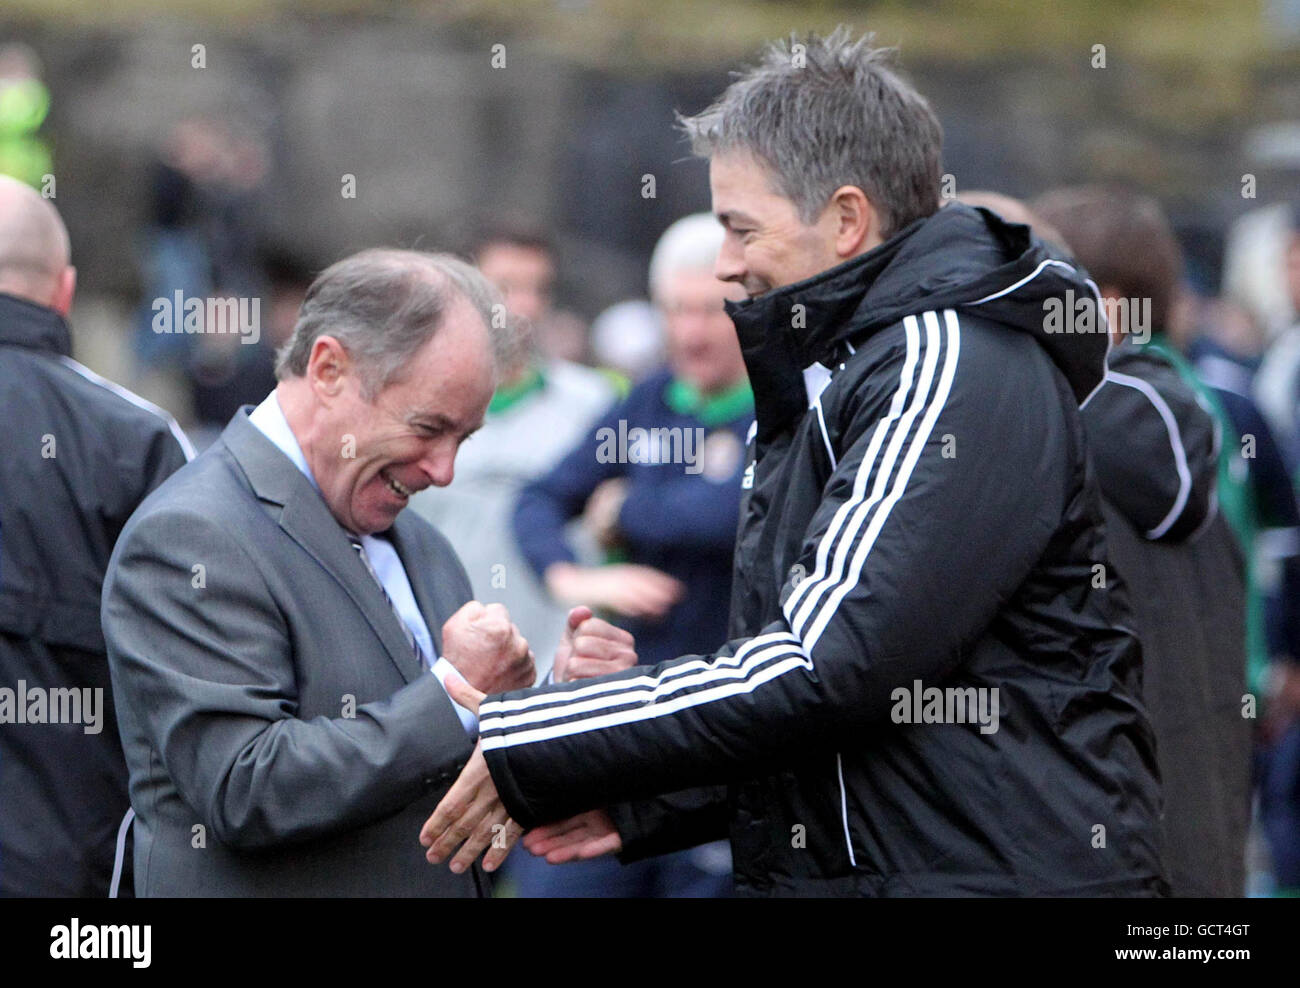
328, 366
1114, 315
65, 289
857, 226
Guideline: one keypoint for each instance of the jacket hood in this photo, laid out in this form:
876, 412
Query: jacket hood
962, 257
1154, 442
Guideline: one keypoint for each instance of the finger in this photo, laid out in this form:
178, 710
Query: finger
600, 628
465, 828
592, 668
597, 846
591, 647
451, 806
642, 605
578, 616
550, 831
636, 601
607, 844
490, 828
469, 610
574, 838
585, 850
526, 672
666, 585
501, 845
463, 693
518, 644
452, 822
653, 590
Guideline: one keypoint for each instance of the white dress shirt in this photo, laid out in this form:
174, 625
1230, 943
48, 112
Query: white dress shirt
269, 419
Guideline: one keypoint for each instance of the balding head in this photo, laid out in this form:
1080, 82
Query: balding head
1013, 211
34, 248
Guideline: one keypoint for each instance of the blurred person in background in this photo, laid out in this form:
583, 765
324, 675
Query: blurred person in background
24, 105
668, 530
540, 409
1154, 445
80, 454
226, 371
1126, 243
627, 341
1262, 292
1277, 382
203, 228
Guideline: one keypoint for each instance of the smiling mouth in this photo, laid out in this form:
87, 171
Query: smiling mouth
396, 486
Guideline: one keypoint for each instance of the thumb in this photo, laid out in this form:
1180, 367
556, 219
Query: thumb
576, 616
463, 693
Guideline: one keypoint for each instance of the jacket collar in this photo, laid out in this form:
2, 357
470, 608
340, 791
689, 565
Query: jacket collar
779, 340
26, 324
963, 258
307, 520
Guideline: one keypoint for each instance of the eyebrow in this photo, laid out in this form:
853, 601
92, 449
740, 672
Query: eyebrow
727, 217
442, 422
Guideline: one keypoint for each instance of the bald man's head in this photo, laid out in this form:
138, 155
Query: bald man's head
1013, 211
34, 248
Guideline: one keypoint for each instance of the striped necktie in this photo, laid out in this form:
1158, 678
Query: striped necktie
406, 629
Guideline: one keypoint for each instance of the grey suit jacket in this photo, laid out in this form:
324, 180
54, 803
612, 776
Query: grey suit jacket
281, 737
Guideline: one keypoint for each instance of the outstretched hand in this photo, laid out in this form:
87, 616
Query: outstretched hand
471, 815
587, 835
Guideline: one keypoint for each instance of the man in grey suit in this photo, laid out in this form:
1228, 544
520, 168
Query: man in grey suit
272, 615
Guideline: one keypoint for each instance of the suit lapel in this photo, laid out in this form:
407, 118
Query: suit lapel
309, 523
306, 519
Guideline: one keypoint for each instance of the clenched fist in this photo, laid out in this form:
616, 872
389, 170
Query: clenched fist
592, 647
487, 649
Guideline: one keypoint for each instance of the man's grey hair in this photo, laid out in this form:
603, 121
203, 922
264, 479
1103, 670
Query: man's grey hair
384, 304
823, 112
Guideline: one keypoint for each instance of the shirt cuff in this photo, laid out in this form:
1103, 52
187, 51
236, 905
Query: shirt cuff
468, 718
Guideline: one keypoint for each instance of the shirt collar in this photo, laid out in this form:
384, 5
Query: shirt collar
269, 419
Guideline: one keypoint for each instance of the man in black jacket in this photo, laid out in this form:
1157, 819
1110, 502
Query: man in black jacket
1157, 452
79, 454
930, 687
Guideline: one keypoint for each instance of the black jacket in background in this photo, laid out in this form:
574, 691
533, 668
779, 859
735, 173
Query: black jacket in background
64, 791
929, 515
1156, 454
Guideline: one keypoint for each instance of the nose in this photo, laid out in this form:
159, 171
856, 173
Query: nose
439, 464
730, 265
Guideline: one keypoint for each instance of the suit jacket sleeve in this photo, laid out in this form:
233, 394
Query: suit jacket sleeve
206, 660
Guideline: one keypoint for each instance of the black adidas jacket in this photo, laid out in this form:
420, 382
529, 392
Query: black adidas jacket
927, 517
80, 454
